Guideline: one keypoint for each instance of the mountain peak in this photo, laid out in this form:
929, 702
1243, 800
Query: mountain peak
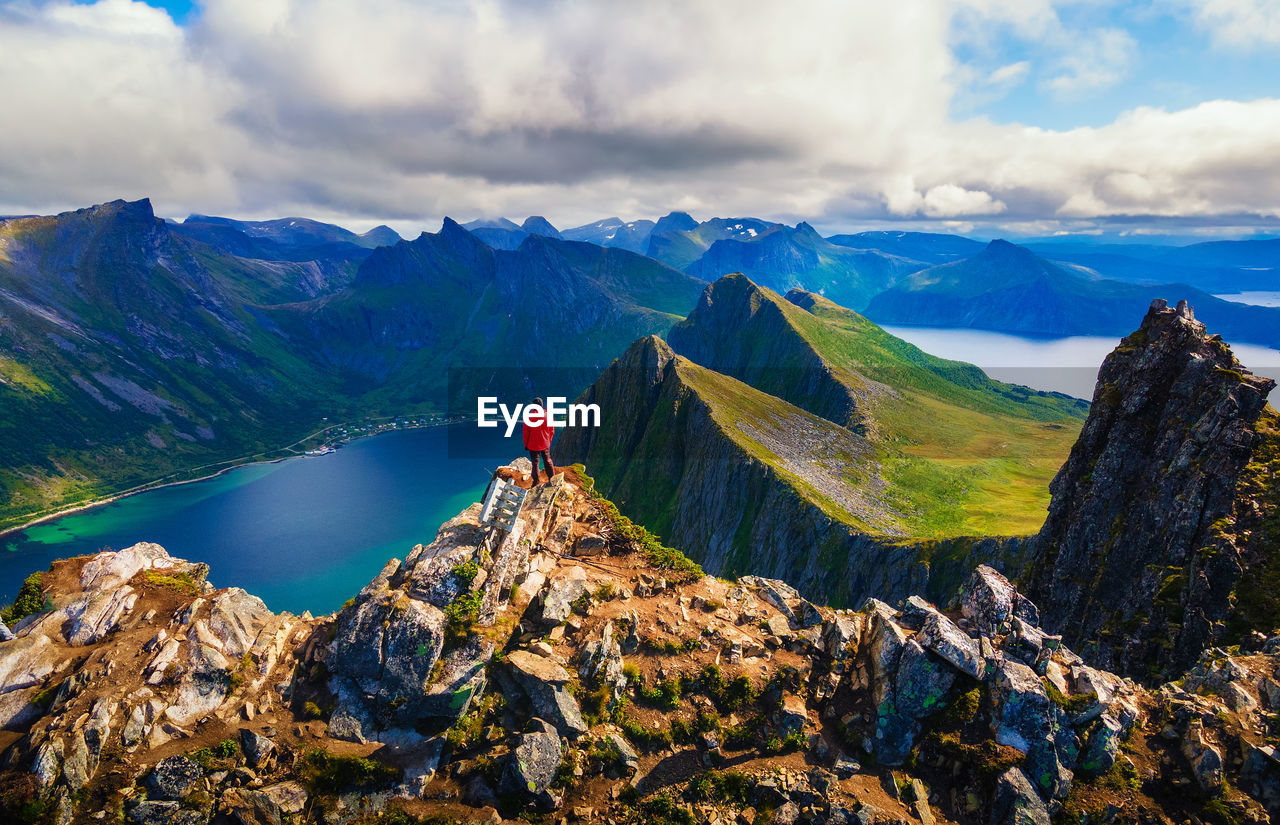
1004, 248
675, 222
450, 227
538, 225
382, 235
135, 210
1172, 431
805, 230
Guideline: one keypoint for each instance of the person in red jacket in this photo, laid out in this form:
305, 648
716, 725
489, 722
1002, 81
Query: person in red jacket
537, 439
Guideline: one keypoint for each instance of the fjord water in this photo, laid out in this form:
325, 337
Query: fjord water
1069, 365
304, 534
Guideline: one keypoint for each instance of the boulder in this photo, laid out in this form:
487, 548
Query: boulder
350, 720
560, 594
1260, 775
420, 765
843, 631
533, 763
18, 708
626, 754
792, 716
96, 614
27, 662
388, 646
1204, 757
461, 679
787, 814
544, 682
895, 733
150, 812
922, 681
245, 806
259, 751
990, 601
1046, 769
6, 635
776, 592
1016, 801
76, 767
1102, 747
235, 620
915, 609
47, 765
110, 569
886, 643
289, 797
173, 778
1022, 709
941, 635
203, 686
602, 662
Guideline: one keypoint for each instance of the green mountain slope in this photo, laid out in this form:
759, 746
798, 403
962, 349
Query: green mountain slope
545, 317
958, 453
125, 358
748, 483
132, 349
796, 439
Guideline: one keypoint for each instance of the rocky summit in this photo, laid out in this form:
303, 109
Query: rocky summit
575, 669
1163, 519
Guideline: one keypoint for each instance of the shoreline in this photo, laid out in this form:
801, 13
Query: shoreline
235, 464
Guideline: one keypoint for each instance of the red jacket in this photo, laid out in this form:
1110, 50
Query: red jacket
538, 438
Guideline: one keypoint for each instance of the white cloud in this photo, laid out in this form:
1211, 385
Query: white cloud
1098, 59
403, 111
1237, 22
1010, 74
951, 201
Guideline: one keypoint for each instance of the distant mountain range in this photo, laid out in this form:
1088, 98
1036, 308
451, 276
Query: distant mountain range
1009, 288
132, 348
1055, 288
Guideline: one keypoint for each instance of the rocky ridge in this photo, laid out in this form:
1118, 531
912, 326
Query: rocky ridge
1165, 502
573, 668
746, 482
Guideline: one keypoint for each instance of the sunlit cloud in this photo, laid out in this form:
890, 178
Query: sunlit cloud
402, 112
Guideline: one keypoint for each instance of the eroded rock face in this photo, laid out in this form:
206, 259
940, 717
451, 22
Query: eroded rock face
83, 689
1141, 534
389, 644
391, 668
833, 680
545, 682
532, 765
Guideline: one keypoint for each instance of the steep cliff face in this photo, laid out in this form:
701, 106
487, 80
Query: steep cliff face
744, 482
1161, 509
796, 439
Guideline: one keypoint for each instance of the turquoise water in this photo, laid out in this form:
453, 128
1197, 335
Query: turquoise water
304, 534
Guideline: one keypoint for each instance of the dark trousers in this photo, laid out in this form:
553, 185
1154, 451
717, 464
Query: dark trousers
546, 462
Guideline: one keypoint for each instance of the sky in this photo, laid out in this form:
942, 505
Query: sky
988, 117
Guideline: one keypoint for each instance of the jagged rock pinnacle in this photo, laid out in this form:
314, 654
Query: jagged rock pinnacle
1138, 544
